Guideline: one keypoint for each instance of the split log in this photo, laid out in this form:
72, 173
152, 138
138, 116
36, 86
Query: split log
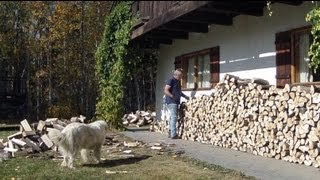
140, 118
25, 125
41, 126
18, 142
17, 135
28, 133
32, 144
47, 141
51, 119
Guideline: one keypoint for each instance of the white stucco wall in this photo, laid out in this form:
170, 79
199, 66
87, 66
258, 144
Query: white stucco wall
247, 47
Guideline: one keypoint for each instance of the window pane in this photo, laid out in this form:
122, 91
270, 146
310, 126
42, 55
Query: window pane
304, 73
204, 71
200, 71
190, 73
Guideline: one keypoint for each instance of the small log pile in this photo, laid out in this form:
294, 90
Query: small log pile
32, 138
254, 117
140, 118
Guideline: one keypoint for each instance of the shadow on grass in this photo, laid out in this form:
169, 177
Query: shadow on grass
117, 162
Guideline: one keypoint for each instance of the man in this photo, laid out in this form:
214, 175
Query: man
172, 91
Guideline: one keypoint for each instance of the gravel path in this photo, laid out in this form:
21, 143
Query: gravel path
257, 166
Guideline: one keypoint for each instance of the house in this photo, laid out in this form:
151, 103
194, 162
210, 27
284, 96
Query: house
209, 39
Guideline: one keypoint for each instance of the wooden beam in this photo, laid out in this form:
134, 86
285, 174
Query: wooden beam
144, 43
137, 24
162, 41
162, 36
240, 4
154, 43
208, 18
186, 27
234, 10
172, 14
169, 34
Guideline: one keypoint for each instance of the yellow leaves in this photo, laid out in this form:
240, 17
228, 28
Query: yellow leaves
55, 46
37, 8
65, 19
41, 73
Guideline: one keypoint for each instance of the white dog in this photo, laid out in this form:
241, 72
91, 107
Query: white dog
77, 137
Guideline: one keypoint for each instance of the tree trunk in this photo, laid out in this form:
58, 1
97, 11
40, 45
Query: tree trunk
50, 76
38, 92
82, 81
138, 94
152, 86
144, 93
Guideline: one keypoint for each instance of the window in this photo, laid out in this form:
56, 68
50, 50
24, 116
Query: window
292, 57
201, 68
190, 73
302, 40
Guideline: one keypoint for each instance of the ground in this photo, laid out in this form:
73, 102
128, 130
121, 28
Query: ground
142, 162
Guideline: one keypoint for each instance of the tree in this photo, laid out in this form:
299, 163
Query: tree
123, 69
53, 47
110, 65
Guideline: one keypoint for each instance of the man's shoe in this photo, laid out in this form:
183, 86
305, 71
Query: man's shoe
175, 137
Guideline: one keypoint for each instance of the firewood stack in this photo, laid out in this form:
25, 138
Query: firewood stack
140, 118
32, 138
252, 116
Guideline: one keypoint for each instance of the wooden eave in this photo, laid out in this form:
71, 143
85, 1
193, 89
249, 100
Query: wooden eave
194, 16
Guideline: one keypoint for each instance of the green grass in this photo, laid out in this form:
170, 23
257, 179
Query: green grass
147, 164
4, 133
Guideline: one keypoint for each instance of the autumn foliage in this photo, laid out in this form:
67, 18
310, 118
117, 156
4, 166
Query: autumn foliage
52, 44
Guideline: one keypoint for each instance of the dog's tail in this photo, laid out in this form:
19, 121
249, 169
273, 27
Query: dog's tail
56, 136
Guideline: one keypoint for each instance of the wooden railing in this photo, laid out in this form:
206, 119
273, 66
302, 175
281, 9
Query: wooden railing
153, 9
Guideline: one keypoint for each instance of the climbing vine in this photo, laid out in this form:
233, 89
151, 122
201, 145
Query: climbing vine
118, 64
110, 64
269, 8
314, 52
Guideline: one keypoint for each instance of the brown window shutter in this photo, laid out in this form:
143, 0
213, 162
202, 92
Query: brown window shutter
283, 58
215, 65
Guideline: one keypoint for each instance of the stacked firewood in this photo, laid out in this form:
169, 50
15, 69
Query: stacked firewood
252, 116
32, 138
140, 118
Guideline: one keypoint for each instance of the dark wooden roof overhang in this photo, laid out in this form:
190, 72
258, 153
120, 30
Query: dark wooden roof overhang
194, 16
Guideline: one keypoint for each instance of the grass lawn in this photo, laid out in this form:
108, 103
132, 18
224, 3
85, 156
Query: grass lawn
146, 164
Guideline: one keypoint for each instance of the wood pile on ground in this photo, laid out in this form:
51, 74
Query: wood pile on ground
254, 117
32, 138
139, 118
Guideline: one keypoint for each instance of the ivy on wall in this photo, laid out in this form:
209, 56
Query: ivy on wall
269, 8
110, 64
314, 52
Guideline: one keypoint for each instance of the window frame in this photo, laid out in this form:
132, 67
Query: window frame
183, 60
286, 71
294, 54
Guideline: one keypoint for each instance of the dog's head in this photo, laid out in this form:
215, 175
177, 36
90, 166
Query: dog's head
54, 135
102, 124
